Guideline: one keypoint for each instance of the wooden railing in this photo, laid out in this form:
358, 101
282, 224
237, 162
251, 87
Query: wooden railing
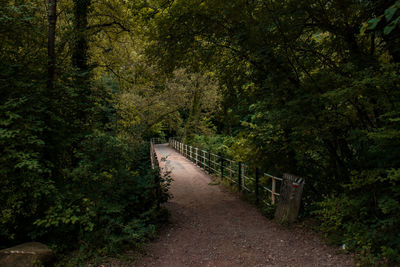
264, 186
153, 155
155, 166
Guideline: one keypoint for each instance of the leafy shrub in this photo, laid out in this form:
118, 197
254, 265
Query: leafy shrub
217, 143
366, 217
110, 200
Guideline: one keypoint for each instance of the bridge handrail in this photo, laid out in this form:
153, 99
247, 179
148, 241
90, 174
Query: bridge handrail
235, 172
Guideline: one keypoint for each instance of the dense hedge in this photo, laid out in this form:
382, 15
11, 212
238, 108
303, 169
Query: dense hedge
70, 175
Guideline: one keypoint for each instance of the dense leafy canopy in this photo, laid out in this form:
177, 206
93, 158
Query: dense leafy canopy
300, 86
72, 174
308, 87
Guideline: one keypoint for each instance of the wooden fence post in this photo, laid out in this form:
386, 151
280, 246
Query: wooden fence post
256, 186
230, 172
215, 163
204, 160
196, 154
273, 191
289, 199
151, 154
209, 162
240, 176
222, 167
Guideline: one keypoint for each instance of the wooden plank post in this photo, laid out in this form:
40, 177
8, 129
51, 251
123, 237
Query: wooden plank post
151, 154
289, 199
256, 185
230, 172
240, 176
215, 163
201, 159
209, 162
222, 167
205, 160
273, 191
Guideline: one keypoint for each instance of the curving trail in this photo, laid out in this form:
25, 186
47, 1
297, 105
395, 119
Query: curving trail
213, 227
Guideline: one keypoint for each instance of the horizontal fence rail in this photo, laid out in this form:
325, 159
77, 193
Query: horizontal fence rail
263, 186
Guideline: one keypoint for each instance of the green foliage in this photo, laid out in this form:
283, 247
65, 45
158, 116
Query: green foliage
217, 143
366, 215
111, 200
304, 92
23, 183
292, 86
392, 20
71, 175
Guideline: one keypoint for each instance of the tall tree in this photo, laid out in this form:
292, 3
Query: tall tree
80, 58
52, 19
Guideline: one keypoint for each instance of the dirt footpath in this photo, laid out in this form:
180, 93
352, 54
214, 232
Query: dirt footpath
213, 227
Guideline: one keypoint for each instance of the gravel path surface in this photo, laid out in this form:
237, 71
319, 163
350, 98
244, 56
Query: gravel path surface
213, 227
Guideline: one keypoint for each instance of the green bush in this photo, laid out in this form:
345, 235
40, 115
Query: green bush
366, 217
217, 143
109, 200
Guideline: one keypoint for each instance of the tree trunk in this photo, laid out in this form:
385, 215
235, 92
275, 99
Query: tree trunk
49, 134
80, 60
80, 47
51, 65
